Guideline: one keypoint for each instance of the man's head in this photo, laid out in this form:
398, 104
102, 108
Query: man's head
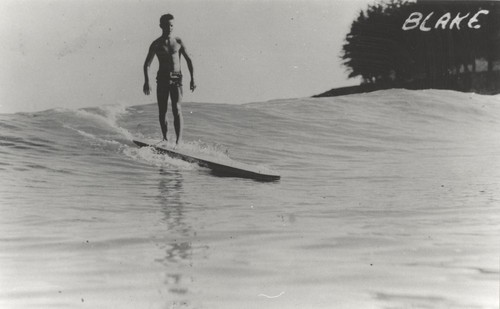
167, 22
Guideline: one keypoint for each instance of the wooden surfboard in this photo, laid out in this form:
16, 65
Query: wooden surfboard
235, 169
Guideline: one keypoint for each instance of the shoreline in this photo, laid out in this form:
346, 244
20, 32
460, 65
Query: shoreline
482, 83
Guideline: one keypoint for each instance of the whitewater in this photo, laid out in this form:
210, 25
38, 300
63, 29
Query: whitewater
388, 199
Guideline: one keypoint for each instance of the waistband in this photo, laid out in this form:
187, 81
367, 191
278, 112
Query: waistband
169, 75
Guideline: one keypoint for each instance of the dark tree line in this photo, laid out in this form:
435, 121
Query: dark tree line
379, 51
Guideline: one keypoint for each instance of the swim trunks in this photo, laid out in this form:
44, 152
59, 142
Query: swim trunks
167, 80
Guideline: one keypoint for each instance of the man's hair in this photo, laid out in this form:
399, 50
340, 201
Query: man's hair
165, 18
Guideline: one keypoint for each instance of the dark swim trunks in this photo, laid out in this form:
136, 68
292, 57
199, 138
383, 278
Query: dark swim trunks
166, 81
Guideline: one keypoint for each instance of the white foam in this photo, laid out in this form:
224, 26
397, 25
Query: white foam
215, 151
109, 117
148, 155
92, 136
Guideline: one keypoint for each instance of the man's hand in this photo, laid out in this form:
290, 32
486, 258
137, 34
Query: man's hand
146, 88
193, 85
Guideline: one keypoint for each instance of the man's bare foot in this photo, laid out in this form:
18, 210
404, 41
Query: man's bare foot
163, 142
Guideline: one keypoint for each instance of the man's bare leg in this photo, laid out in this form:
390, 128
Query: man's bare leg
162, 97
176, 97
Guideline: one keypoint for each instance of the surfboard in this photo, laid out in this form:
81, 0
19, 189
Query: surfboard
234, 169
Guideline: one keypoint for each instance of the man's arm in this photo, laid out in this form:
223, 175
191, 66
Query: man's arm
189, 64
147, 63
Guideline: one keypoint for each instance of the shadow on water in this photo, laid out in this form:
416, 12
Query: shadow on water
178, 246
245, 175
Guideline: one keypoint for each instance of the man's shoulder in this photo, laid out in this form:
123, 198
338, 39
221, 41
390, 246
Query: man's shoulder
157, 41
178, 39
155, 44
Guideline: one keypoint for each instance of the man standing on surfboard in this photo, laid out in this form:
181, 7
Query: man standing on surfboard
168, 49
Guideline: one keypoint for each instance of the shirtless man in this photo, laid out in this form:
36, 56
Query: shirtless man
168, 49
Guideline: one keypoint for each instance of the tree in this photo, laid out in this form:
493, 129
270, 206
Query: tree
374, 49
380, 51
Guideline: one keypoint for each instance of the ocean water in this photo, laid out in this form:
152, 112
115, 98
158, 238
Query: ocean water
387, 200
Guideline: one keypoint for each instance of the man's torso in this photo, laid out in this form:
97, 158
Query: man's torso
168, 53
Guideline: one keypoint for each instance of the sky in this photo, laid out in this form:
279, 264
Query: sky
83, 53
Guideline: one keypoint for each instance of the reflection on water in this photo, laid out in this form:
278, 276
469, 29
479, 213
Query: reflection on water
177, 243
170, 189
